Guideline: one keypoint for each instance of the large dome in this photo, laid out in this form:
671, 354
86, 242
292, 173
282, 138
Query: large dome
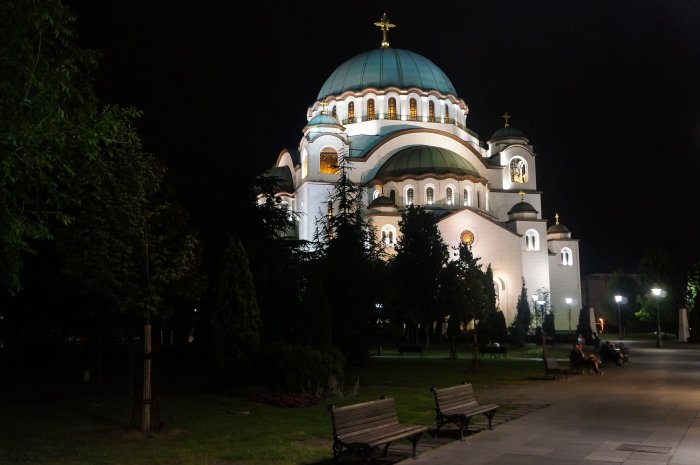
386, 67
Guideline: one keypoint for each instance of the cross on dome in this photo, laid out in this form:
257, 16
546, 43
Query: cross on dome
506, 117
384, 25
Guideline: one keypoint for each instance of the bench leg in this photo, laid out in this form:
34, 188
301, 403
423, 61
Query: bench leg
414, 441
490, 415
463, 427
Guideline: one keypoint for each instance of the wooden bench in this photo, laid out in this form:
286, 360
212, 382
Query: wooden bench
416, 348
362, 428
458, 404
494, 351
551, 367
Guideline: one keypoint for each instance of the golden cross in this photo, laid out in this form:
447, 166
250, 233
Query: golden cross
522, 196
384, 25
556, 217
324, 104
506, 117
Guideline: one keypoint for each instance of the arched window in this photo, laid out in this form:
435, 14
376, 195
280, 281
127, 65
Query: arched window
392, 108
429, 195
532, 240
389, 235
333, 112
518, 170
567, 258
478, 199
392, 195
449, 196
447, 113
328, 161
431, 111
409, 196
370, 109
351, 112
413, 110
467, 197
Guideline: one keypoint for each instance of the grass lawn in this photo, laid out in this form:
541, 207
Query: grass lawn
70, 424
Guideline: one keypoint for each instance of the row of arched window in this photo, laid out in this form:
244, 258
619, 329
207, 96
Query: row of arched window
450, 196
392, 113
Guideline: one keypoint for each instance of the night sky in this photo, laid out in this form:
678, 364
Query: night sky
608, 92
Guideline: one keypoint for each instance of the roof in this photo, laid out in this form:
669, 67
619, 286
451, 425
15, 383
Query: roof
421, 160
522, 207
508, 132
382, 201
387, 67
558, 228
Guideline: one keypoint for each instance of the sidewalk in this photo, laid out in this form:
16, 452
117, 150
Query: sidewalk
647, 413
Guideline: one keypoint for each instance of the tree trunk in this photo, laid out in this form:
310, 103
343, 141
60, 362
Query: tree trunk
146, 395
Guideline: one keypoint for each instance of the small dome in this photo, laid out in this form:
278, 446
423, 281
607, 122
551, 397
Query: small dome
425, 160
323, 119
522, 207
508, 132
387, 67
382, 201
557, 228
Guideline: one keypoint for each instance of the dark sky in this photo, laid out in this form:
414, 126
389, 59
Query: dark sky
608, 92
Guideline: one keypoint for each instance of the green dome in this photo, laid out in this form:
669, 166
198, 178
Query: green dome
323, 118
424, 160
386, 67
508, 132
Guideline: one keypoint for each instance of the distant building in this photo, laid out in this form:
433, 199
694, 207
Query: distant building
397, 118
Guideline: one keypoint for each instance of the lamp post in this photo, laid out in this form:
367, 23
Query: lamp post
618, 299
569, 301
657, 293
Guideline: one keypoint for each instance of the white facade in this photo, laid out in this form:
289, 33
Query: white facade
412, 145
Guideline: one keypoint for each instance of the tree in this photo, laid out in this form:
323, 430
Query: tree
692, 301
523, 318
657, 270
51, 125
351, 259
235, 318
421, 253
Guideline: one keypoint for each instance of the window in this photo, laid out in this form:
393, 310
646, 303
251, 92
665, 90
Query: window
429, 195
370, 109
431, 111
388, 235
409, 196
567, 258
392, 195
467, 237
478, 199
351, 112
333, 112
532, 240
467, 197
413, 110
328, 161
447, 114
392, 108
449, 196
376, 194
518, 170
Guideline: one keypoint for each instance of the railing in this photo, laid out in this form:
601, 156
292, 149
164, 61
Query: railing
422, 119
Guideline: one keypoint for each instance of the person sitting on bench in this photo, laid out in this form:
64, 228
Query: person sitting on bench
589, 362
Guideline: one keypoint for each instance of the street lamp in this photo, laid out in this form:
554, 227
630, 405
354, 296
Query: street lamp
657, 293
569, 301
618, 299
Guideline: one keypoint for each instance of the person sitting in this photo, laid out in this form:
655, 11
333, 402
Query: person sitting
610, 353
580, 360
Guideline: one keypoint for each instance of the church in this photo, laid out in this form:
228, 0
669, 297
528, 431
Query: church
396, 119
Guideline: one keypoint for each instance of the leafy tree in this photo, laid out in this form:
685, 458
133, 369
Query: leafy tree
657, 270
692, 301
523, 318
421, 253
624, 285
51, 125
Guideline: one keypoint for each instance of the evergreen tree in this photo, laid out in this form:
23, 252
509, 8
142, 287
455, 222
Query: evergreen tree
421, 253
584, 324
523, 318
234, 321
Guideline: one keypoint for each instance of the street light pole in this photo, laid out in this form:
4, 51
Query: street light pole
657, 293
569, 301
618, 299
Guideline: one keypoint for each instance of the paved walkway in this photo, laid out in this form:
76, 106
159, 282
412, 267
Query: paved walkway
647, 413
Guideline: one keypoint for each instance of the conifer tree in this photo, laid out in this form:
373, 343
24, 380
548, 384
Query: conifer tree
523, 317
